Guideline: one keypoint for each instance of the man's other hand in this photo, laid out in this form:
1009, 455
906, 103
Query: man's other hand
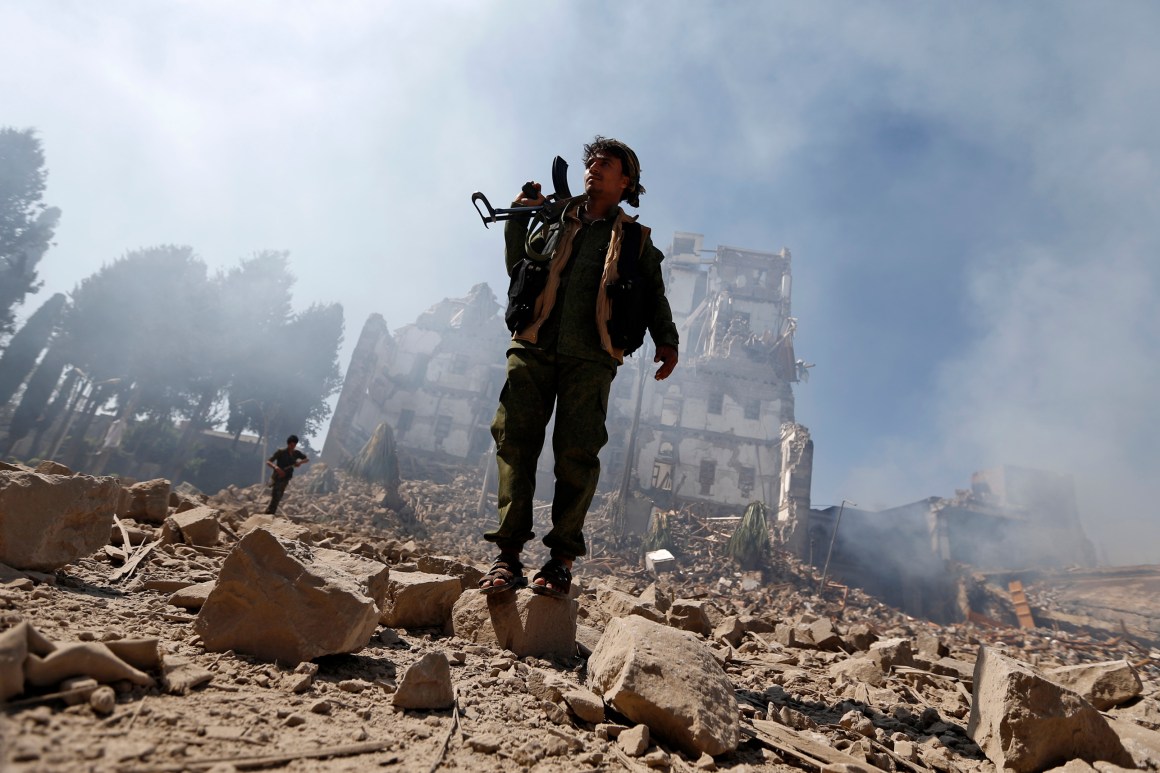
667, 356
524, 200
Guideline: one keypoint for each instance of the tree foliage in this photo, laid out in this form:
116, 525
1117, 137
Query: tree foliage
18, 360
26, 223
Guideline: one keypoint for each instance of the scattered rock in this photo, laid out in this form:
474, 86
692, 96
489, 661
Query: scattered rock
521, 621
1104, 685
50, 521
426, 684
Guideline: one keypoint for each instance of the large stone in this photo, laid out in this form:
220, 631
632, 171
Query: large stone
426, 684
146, 502
277, 526
1024, 722
858, 669
520, 621
420, 600
1102, 684
617, 603
49, 521
668, 680
280, 600
690, 615
196, 526
892, 652
469, 576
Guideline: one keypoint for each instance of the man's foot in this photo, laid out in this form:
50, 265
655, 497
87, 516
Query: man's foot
506, 573
555, 579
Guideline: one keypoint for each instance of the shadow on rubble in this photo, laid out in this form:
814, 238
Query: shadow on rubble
858, 721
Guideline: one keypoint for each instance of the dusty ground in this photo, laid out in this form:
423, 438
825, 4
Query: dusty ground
249, 715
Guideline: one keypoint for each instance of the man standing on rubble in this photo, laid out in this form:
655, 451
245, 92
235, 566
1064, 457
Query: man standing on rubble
600, 291
283, 463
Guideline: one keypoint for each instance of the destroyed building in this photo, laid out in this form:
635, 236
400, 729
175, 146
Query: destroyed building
720, 430
1011, 519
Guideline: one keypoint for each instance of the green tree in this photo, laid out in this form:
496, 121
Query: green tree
144, 326
26, 223
18, 360
29, 414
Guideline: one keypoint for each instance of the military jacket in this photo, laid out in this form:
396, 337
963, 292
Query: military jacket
572, 311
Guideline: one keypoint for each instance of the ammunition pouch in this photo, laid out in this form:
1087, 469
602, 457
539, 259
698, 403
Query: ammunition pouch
527, 282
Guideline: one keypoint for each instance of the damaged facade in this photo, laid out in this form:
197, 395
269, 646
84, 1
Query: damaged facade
435, 382
720, 430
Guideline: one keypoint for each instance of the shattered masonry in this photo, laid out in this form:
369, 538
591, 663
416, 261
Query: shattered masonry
713, 432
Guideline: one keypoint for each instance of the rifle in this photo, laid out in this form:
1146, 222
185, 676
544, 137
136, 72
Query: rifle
550, 210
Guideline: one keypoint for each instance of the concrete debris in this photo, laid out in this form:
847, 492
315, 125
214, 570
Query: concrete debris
194, 526
668, 680
1103, 685
658, 561
50, 521
146, 502
420, 600
799, 673
426, 684
521, 621
1024, 722
277, 601
29, 660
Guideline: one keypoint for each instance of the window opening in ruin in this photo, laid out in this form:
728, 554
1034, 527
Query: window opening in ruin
683, 246
671, 411
662, 472
746, 480
459, 364
717, 403
753, 409
406, 419
442, 427
708, 476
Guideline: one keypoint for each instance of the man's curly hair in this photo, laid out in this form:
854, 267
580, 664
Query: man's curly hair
628, 162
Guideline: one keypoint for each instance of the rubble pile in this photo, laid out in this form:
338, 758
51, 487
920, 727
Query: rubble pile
348, 636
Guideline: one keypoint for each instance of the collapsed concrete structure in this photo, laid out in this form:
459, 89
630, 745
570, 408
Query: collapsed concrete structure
1010, 520
720, 431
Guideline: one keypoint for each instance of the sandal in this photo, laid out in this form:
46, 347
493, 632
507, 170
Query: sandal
506, 568
557, 580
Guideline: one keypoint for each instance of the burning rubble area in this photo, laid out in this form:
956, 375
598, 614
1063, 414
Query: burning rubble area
146, 627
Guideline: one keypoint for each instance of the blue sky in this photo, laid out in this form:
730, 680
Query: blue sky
970, 191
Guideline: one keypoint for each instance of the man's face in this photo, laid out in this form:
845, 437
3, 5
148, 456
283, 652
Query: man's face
605, 175
291, 445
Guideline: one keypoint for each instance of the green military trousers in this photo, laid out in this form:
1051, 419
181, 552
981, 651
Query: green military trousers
579, 391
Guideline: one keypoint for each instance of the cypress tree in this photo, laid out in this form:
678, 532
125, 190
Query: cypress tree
24, 349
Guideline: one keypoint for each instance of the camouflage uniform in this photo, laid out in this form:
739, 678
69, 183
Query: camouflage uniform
564, 358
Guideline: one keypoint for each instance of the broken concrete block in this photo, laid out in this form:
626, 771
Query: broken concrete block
49, 467
668, 680
930, 646
419, 600
730, 630
620, 604
858, 669
49, 521
634, 741
145, 502
279, 527
192, 597
860, 636
1025, 722
426, 684
585, 704
521, 621
278, 600
820, 634
13, 651
469, 576
196, 526
372, 575
888, 653
1103, 685
690, 615
658, 561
